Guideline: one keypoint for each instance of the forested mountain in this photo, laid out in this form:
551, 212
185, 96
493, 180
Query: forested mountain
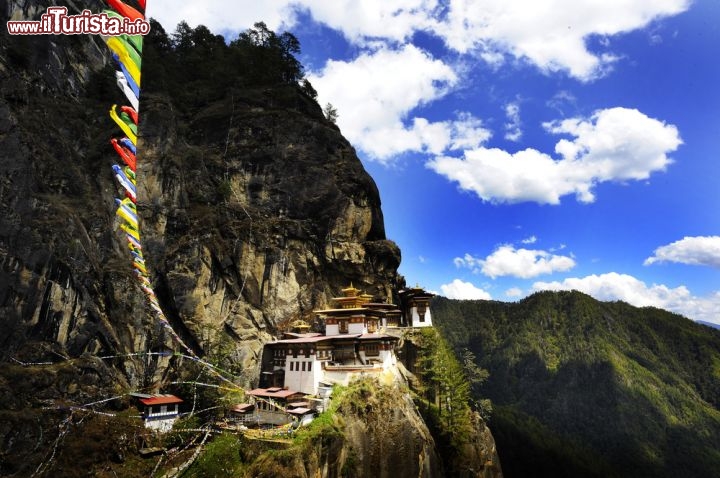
587, 388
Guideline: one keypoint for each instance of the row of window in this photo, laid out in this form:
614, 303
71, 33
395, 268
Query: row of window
281, 353
162, 410
306, 366
371, 349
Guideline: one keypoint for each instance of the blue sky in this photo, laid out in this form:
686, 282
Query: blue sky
527, 145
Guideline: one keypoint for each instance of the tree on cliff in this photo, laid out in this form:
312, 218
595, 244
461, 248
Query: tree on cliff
197, 66
331, 113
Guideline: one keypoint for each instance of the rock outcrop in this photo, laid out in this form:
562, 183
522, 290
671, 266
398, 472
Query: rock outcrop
254, 210
374, 431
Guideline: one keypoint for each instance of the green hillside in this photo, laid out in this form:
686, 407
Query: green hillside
587, 388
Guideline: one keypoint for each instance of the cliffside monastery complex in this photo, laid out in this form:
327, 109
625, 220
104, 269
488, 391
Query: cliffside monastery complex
299, 370
355, 341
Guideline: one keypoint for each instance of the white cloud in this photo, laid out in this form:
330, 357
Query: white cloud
702, 251
524, 263
458, 289
514, 292
376, 92
521, 263
512, 127
396, 20
551, 35
529, 240
359, 22
617, 144
217, 16
470, 262
614, 286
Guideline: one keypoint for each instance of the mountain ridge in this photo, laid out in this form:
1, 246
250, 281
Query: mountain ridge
588, 388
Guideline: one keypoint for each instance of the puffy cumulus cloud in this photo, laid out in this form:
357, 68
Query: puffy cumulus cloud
614, 286
458, 289
551, 35
702, 250
521, 263
616, 144
529, 240
376, 92
524, 263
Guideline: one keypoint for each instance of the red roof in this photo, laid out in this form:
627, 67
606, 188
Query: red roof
262, 392
160, 400
312, 340
243, 407
299, 404
302, 336
377, 337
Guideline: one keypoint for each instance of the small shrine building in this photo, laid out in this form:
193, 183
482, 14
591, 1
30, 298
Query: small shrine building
160, 411
415, 307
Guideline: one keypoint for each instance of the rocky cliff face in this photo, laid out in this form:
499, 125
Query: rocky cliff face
257, 215
254, 210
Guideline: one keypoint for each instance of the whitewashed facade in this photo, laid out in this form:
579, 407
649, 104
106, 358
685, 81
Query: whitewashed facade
415, 306
160, 411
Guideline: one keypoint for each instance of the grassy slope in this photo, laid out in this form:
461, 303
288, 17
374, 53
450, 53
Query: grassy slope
586, 388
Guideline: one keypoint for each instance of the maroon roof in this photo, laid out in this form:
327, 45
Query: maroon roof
303, 335
377, 337
242, 407
312, 340
265, 392
160, 400
299, 404
351, 310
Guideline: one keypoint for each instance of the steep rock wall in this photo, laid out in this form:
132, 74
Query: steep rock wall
254, 209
